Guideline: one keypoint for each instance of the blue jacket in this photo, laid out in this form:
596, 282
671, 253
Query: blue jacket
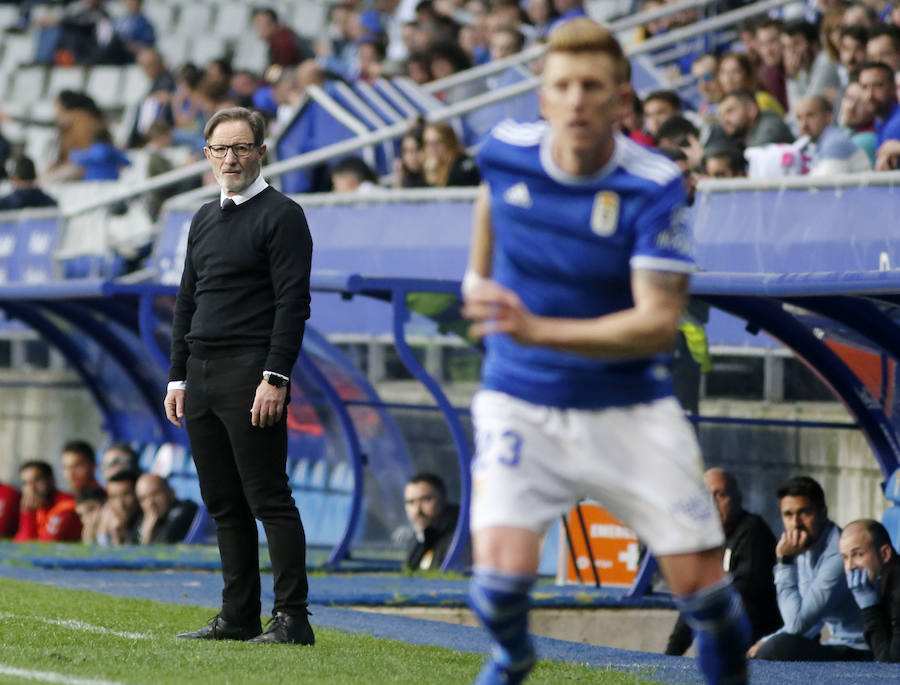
813, 592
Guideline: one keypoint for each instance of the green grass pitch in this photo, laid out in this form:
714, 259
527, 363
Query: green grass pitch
84, 638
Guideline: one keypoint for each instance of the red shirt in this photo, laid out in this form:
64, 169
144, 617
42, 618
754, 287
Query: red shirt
56, 523
9, 510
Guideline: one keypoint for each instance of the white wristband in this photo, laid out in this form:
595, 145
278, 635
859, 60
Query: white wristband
176, 385
470, 281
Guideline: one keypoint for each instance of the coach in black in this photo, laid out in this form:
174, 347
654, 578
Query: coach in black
239, 321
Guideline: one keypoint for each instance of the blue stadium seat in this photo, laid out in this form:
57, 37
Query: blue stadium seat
300, 474
200, 530
311, 506
186, 487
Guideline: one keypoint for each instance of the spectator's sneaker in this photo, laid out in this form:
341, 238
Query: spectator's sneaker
220, 629
285, 628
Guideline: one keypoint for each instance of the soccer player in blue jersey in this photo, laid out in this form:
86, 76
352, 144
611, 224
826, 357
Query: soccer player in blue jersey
577, 275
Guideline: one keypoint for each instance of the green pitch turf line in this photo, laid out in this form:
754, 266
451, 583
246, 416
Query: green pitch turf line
85, 638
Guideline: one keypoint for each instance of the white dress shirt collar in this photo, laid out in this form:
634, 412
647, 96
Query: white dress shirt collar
250, 191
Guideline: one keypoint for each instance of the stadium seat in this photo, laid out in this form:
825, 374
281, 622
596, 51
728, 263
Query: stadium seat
174, 49
200, 532
28, 84
300, 474
160, 15
169, 460
103, 85
205, 48
193, 21
250, 53
65, 78
231, 20
16, 50
308, 18
891, 517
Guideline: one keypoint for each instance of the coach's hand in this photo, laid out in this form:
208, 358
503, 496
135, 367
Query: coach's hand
268, 405
174, 404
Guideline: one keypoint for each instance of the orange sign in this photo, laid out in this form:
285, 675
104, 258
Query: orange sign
612, 546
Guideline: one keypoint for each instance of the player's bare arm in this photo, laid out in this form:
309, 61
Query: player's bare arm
646, 329
481, 247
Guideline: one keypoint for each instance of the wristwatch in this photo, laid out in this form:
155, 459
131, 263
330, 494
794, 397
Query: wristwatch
784, 559
274, 379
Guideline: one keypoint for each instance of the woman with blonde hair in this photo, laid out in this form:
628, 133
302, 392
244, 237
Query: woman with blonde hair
446, 162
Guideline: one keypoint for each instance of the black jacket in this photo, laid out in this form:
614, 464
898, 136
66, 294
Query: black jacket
438, 537
881, 623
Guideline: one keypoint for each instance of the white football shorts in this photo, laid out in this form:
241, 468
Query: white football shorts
642, 463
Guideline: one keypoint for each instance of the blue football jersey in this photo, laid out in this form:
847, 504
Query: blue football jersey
567, 244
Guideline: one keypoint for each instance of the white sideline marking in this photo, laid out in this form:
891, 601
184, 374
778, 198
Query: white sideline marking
77, 625
50, 677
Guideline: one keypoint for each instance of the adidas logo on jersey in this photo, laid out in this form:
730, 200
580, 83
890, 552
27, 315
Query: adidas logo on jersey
518, 195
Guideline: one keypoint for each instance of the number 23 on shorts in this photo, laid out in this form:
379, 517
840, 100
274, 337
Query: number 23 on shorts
504, 448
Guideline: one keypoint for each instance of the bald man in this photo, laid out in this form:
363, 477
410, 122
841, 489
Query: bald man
749, 556
873, 576
166, 519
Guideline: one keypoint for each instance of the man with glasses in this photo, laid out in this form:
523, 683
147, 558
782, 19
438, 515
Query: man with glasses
236, 333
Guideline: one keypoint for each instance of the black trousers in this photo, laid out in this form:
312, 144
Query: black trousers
242, 476
789, 647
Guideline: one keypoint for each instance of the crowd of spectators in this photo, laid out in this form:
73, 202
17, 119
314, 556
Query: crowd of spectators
113, 504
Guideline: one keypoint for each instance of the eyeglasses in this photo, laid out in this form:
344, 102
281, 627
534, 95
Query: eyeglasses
239, 149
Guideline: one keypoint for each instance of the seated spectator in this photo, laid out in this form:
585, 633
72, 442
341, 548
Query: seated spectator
771, 56
505, 41
680, 134
877, 83
89, 507
659, 106
75, 34
26, 192
352, 175
689, 179
133, 31
120, 520
812, 589
446, 162
749, 126
631, 123
79, 465
432, 518
857, 116
99, 161
541, 14
45, 513
883, 46
418, 68
724, 161
705, 69
567, 10
749, 556
166, 519
809, 70
77, 119
286, 48
371, 53
118, 457
408, 167
736, 73
852, 51
859, 14
829, 149
873, 576
9, 510
157, 103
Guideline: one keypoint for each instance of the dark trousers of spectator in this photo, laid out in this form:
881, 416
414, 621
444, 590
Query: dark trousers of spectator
242, 476
787, 647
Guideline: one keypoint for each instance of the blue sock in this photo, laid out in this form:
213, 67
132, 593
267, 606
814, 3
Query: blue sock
500, 601
716, 615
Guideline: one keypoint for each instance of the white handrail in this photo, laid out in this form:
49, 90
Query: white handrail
861, 179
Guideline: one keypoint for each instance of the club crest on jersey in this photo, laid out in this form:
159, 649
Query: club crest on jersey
605, 214
518, 195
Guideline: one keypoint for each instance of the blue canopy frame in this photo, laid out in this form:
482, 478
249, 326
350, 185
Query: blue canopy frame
114, 316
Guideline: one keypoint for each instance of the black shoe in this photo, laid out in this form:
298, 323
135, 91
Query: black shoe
284, 628
220, 629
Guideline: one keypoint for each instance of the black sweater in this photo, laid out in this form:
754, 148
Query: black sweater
245, 283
